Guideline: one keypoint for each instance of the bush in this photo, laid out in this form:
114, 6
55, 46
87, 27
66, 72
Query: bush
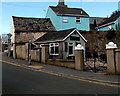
110, 34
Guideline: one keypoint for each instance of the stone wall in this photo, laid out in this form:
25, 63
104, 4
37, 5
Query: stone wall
36, 55
25, 36
62, 62
22, 53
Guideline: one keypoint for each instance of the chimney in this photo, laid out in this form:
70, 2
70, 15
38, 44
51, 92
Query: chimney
61, 3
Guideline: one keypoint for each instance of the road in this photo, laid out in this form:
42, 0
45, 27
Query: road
18, 80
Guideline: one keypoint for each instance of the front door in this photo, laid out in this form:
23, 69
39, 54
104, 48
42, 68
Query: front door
71, 49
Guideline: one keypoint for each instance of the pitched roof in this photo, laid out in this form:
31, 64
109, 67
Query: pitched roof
98, 20
32, 24
65, 11
54, 36
109, 20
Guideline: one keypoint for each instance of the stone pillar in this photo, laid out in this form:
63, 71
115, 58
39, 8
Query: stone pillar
44, 53
79, 57
111, 66
117, 59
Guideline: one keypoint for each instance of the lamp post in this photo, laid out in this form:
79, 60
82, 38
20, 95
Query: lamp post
30, 41
94, 57
9, 44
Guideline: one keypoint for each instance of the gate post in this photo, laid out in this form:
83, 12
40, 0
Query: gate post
79, 57
117, 57
111, 66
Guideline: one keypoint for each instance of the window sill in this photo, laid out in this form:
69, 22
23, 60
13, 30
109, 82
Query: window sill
65, 22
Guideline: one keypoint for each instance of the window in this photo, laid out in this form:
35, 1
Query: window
74, 38
77, 19
54, 49
65, 19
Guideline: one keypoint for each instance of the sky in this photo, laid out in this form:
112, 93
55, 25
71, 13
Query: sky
39, 9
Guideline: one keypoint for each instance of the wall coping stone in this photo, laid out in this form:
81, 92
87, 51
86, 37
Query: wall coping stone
62, 60
79, 47
111, 45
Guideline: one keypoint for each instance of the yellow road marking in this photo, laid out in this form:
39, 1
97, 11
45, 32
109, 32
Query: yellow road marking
34, 66
71, 77
10, 63
66, 76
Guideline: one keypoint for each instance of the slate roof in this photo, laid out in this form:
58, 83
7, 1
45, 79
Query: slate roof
65, 11
98, 20
32, 24
54, 36
110, 19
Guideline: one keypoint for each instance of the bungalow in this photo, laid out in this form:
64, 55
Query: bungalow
64, 17
62, 43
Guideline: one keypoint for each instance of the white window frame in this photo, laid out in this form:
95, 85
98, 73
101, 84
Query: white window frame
53, 45
78, 19
65, 19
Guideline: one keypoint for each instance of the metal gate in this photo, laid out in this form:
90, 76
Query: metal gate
96, 61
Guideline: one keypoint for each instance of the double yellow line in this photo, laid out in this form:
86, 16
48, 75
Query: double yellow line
71, 77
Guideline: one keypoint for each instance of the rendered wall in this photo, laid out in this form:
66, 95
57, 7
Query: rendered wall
60, 25
105, 28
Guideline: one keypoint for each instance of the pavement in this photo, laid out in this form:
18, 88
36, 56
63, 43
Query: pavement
63, 71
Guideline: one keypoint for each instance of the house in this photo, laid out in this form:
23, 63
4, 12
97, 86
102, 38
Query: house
4, 41
111, 23
95, 21
25, 28
62, 43
64, 17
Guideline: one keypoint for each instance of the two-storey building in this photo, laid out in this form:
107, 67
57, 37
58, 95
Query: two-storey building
111, 23
64, 17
